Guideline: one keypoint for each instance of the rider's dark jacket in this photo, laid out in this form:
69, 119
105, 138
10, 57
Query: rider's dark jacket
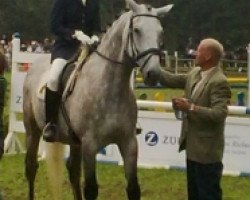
68, 16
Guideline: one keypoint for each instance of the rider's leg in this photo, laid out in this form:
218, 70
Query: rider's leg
52, 99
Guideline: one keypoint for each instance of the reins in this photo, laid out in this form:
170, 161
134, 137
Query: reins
107, 58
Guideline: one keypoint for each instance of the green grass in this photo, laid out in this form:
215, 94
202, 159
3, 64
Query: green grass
156, 184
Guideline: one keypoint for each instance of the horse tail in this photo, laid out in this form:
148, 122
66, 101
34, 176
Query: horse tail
55, 166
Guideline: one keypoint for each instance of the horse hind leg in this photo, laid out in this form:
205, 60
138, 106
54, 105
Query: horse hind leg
74, 170
129, 151
31, 164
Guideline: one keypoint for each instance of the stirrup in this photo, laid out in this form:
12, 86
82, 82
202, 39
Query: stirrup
50, 132
138, 131
138, 128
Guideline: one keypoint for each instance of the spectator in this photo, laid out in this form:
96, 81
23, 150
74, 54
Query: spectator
39, 48
47, 45
29, 48
189, 52
3, 66
248, 47
23, 47
8, 53
2, 49
207, 94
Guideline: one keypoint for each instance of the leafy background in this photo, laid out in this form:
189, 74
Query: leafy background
226, 20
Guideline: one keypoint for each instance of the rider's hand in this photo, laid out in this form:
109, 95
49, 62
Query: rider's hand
79, 35
94, 39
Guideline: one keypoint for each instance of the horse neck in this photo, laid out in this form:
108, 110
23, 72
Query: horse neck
114, 42
113, 46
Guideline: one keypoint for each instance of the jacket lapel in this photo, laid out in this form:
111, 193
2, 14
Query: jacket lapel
203, 85
193, 82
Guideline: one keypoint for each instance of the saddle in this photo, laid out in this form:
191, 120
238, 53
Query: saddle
71, 72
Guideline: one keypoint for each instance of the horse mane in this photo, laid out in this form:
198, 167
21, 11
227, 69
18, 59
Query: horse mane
115, 33
114, 24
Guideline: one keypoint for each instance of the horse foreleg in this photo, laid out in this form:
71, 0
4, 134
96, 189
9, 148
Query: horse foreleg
129, 151
74, 170
31, 164
89, 165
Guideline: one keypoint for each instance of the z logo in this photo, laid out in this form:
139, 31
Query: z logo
151, 138
18, 99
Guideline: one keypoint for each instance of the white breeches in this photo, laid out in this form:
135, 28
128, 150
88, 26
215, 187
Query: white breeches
55, 71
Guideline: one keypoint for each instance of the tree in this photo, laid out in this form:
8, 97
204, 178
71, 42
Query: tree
28, 17
226, 20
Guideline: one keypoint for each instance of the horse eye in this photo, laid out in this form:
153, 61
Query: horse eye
137, 30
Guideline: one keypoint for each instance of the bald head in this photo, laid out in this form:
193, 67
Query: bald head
215, 47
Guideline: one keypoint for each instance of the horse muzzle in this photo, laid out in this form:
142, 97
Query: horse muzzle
151, 77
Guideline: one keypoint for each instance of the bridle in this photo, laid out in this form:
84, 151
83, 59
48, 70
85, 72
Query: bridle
136, 55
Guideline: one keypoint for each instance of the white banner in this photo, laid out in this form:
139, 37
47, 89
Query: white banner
158, 144
237, 145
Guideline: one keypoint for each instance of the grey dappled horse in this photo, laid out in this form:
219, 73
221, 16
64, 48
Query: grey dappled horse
102, 107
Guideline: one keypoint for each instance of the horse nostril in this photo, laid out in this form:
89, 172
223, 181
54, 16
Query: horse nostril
153, 75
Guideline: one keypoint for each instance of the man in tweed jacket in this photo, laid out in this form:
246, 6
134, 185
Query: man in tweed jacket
207, 95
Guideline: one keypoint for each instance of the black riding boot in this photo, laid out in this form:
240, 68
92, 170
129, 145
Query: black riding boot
51, 110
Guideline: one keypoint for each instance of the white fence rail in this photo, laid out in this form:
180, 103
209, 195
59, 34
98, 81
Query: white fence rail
233, 110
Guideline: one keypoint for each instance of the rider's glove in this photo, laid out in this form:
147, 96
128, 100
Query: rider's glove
79, 35
94, 39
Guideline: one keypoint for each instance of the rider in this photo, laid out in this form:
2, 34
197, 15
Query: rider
73, 22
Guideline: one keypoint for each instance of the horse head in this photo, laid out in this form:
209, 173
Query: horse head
145, 38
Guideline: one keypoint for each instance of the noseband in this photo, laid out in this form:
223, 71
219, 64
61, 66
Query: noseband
136, 55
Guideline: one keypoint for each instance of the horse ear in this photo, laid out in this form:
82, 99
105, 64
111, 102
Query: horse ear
132, 5
164, 10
